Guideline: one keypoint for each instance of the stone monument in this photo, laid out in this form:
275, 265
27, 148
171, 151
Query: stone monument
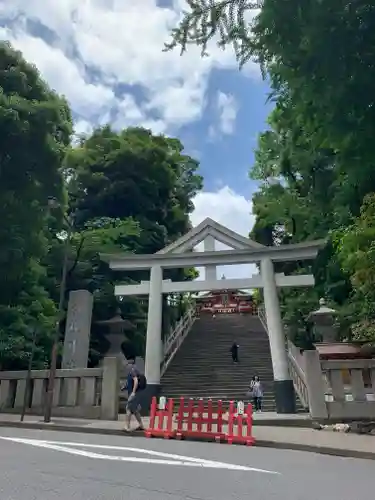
77, 330
324, 320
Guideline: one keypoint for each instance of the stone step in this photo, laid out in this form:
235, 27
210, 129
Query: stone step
209, 377
203, 367
212, 387
225, 373
266, 407
216, 397
221, 361
204, 379
219, 396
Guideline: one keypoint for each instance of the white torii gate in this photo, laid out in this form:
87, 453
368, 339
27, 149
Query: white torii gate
180, 254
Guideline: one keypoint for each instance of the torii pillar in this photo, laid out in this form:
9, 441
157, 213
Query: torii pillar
283, 384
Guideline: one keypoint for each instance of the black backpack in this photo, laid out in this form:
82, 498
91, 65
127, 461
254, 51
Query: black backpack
142, 382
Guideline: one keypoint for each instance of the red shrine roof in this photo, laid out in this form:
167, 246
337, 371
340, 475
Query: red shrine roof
207, 295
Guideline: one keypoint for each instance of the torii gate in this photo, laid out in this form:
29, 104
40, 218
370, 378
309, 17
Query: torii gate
244, 251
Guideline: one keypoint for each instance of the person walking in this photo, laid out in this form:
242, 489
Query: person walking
257, 393
234, 352
135, 384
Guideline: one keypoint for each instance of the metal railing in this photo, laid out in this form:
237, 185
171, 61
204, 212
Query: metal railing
177, 336
262, 316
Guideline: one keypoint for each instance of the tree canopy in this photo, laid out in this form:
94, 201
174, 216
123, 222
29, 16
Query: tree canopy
35, 128
316, 161
127, 190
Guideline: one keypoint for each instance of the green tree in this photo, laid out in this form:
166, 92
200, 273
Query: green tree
135, 174
35, 128
124, 192
320, 56
355, 246
316, 163
133, 191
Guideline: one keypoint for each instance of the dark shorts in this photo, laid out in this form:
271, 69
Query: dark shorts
133, 405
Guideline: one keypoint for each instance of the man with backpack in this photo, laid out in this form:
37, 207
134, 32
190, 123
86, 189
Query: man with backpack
136, 383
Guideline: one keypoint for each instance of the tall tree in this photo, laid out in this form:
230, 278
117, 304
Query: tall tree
35, 127
321, 56
316, 164
356, 251
135, 174
118, 179
128, 191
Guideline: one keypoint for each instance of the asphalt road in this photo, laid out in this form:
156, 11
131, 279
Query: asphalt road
42, 465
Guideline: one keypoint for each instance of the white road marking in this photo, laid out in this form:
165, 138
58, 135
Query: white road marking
165, 458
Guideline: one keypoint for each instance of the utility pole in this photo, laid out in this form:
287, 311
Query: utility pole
53, 203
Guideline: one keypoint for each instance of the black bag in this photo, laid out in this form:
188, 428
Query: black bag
142, 382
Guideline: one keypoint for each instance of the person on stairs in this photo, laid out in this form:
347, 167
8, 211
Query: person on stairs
135, 384
234, 352
257, 393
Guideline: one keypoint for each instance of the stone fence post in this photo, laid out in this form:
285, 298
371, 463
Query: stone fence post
315, 385
110, 389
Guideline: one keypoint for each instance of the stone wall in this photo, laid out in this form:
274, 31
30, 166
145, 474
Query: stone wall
78, 393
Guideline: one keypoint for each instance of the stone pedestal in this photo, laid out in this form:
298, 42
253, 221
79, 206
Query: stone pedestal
77, 330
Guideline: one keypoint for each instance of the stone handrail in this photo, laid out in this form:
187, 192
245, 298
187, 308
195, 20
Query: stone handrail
177, 336
297, 373
78, 393
340, 390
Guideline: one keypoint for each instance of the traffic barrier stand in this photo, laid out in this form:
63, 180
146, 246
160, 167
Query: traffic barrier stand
197, 421
161, 419
240, 424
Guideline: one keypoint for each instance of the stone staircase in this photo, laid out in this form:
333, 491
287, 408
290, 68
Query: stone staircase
203, 367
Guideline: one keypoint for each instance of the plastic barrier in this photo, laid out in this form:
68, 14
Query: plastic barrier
197, 421
240, 424
201, 420
161, 419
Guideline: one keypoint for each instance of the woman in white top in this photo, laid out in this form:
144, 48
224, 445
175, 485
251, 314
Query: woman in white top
257, 393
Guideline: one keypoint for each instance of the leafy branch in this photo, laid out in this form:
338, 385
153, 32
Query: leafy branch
209, 18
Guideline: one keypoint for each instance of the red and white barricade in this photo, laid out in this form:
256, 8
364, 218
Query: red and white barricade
201, 420
197, 420
161, 419
240, 424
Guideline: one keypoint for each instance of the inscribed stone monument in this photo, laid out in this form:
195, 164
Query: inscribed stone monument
77, 330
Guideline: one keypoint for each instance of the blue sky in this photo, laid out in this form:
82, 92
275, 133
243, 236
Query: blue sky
106, 57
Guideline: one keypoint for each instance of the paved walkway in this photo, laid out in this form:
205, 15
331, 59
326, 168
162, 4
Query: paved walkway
297, 438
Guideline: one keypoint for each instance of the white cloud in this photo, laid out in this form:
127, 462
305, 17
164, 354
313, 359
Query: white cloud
227, 109
231, 210
100, 46
63, 74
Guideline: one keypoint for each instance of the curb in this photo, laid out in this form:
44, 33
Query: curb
259, 443
273, 422
41, 426
287, 422
322, 450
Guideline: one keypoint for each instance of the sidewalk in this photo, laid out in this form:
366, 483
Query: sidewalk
292, 438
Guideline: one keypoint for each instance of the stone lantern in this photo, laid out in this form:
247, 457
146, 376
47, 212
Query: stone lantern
324, 320
116, 335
